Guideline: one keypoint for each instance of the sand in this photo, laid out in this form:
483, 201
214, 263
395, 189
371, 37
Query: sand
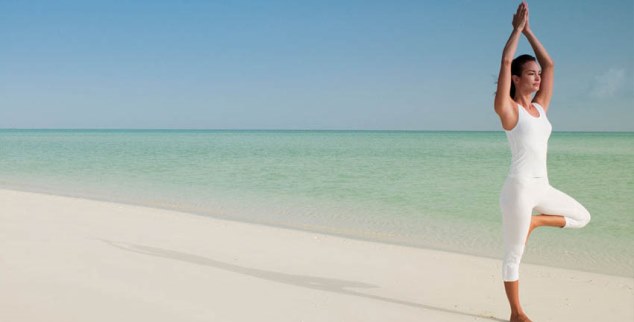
69, 259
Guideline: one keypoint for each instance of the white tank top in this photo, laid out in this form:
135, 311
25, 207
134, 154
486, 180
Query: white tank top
529, 144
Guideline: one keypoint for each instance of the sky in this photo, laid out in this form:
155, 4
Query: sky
318, 65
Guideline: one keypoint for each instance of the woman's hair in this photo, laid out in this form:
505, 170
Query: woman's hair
516, 69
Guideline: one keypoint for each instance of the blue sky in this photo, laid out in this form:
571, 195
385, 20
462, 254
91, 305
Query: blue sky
371, 65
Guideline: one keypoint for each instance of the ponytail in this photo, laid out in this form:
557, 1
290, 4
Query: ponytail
516, 69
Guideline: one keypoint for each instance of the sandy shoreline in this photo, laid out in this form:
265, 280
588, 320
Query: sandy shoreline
70, 259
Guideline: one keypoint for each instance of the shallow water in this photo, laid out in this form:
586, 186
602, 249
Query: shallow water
425, 189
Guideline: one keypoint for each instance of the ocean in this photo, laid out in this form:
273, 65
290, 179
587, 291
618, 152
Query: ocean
422, 189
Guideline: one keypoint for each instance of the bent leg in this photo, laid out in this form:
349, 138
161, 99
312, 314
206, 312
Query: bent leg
556, 203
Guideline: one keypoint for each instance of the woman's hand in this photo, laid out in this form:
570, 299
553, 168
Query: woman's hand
527, 28
520, 18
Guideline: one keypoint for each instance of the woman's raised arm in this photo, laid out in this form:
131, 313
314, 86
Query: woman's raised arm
504, 105
545, 92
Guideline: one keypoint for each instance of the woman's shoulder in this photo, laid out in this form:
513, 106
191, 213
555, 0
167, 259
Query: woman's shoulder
509, 116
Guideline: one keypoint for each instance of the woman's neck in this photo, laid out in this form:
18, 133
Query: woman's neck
524, 100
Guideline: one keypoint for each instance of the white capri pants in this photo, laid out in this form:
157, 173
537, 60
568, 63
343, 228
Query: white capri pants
519, 197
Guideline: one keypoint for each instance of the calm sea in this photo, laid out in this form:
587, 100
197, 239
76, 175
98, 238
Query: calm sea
423, 189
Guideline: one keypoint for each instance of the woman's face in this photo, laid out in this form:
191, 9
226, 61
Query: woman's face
530, 80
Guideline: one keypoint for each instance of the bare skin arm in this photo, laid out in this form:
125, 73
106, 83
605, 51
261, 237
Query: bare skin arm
504, 104
545, 92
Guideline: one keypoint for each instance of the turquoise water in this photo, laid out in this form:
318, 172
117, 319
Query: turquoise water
424, 189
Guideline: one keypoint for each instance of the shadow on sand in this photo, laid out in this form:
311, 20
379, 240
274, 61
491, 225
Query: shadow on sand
318, 283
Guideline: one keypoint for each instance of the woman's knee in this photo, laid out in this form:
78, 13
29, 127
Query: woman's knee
586, 217
580, 220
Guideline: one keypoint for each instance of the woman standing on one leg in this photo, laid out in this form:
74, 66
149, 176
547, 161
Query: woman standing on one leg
527, 128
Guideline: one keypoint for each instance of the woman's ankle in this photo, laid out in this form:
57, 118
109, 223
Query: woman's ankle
518, 312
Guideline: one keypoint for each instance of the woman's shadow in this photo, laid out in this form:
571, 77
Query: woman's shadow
319, 283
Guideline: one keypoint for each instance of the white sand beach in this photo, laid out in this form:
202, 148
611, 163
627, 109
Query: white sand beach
67, 259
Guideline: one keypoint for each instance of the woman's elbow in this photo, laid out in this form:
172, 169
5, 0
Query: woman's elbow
549, 63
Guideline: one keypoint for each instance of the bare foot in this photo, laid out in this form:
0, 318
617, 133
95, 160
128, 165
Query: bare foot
519, 318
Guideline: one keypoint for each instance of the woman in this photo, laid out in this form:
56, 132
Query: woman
523, 118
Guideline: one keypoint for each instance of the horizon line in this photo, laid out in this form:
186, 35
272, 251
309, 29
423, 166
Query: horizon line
282, 129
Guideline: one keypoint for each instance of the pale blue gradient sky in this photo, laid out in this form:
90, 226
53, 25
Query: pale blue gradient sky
374, 65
